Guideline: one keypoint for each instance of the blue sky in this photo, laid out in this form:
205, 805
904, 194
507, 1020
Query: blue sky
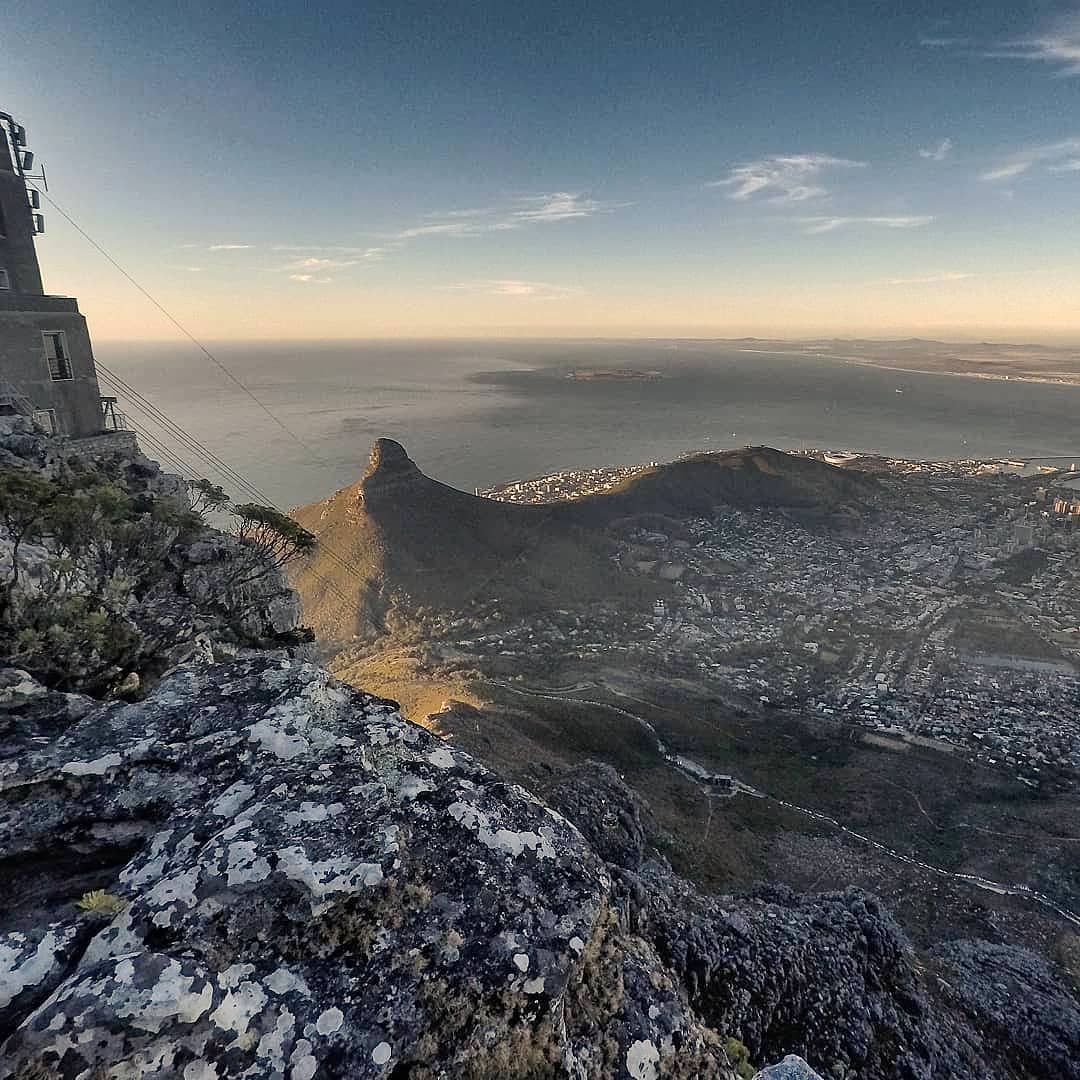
351, 170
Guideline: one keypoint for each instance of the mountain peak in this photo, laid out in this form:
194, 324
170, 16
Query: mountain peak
389, 469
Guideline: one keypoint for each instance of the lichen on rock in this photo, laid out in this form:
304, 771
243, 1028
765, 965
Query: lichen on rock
283, 878
322, 888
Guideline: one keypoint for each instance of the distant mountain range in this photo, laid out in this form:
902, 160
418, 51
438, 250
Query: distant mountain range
398, 539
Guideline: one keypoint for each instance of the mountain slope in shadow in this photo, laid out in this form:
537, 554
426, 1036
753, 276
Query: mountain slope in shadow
398, 539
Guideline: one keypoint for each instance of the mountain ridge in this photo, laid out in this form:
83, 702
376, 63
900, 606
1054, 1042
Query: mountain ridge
378, 536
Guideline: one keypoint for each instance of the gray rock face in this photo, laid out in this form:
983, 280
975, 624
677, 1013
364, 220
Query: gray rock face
23, 445
312, 886
29, 712
1016, 999
32, 964
831, 977
791, 1068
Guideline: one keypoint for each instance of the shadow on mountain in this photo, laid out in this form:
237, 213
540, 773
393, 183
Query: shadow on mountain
400, 541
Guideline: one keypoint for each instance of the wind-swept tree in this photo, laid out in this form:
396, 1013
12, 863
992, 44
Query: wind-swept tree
273, 534
205, 496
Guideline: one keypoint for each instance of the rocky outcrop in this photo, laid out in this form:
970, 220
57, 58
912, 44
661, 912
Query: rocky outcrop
217, 575
390, 472
830, 976
209, 585
316, 887
1016, 1000
281, 877
29, 713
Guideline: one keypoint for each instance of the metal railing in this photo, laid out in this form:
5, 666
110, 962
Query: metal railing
111, 417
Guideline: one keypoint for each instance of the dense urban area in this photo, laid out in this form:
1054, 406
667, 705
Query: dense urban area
946, 614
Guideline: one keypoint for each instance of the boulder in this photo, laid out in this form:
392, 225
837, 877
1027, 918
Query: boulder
791, 1068
314, 886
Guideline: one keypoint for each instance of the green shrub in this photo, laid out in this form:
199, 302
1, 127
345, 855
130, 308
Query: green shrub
739, 1057
105, 550
100, 902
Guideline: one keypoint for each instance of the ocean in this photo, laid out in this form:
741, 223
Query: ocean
475, 414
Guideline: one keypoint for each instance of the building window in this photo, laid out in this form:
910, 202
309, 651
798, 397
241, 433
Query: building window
5, 279
56, 354
46, 420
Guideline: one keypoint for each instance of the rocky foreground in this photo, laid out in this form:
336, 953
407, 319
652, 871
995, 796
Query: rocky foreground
280, 877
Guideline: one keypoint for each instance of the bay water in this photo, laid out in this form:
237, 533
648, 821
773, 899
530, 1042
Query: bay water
475, 414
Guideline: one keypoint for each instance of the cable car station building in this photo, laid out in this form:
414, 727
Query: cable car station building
46, 362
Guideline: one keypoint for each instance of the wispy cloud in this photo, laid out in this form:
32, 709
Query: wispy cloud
310, 279
560, 206
929, 279
538, 290
1057, 43
314, 262
527, 211
939, 152
944, 42
335, 250
782, 178
1055, 157
817, 225
468, 213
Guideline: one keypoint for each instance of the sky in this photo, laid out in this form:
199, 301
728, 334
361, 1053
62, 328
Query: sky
632, 168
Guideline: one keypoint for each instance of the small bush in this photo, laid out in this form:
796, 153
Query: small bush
105, 550
739, 1057
100, 902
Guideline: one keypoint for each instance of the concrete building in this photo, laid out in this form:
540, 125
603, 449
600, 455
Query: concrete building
46, 362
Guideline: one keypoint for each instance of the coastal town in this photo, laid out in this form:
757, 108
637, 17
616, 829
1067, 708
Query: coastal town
948, 614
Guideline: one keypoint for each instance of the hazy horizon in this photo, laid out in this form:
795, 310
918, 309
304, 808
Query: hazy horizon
1017, 338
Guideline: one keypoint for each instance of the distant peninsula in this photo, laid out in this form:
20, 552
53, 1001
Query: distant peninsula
980, 360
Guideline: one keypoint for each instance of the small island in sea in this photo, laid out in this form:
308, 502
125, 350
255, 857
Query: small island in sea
593, 374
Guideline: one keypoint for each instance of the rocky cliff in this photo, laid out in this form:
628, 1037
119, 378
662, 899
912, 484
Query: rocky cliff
281, 877
148, 570
300, 883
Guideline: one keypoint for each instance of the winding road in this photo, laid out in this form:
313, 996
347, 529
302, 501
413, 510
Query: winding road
718, 784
